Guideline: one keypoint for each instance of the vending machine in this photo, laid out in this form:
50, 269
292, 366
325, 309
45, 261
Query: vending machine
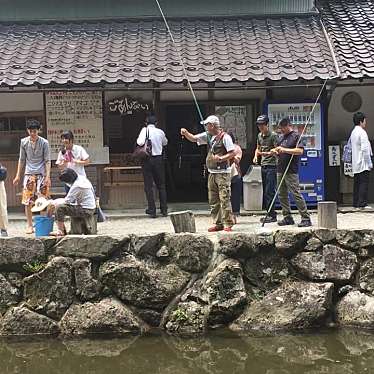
312, 163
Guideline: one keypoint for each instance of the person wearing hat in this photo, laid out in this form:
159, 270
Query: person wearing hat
35, 157
221, 151
41, 205
266, 141
288, 152
154, 166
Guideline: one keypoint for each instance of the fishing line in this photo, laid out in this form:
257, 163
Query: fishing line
180, 60
292, 156
202, 118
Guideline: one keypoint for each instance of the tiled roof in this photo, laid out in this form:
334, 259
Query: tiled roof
141, 51
350, 26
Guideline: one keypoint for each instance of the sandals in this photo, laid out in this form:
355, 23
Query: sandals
58, 233
29, 230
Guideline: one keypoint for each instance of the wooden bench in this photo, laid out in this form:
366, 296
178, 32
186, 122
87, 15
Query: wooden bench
123, 187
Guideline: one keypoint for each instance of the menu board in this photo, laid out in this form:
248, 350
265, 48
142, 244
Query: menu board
82, 113
233, 119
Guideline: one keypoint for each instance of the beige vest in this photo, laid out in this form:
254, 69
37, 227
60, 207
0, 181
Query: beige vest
216, 147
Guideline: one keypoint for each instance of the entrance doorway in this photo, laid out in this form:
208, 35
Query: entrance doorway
186, 160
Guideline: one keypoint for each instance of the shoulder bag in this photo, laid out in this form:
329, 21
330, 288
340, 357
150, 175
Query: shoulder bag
142, 152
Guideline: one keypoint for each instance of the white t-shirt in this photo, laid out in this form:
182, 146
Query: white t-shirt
157, 137
202, 138
361, 151
77, 153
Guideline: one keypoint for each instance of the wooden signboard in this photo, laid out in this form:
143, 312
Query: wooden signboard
82, 113
233, 118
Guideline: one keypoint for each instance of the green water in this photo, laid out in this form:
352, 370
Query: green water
333, 352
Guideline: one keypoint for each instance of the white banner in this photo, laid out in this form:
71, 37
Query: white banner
82, 113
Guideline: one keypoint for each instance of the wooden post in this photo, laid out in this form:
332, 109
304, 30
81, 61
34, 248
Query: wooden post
183, 221
327, 214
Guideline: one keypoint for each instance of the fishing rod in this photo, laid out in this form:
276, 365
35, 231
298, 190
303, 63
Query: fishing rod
185, 73
201, 116
292, 156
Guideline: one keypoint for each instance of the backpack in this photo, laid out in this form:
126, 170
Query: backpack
347, 152
3, 173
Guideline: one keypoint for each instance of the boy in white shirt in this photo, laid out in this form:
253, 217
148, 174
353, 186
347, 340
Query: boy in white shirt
72, 156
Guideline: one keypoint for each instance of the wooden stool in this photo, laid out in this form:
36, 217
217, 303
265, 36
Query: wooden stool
86, 225
327, 214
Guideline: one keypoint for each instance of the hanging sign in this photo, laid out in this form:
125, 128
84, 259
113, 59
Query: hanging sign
126, 106
334, 155
233, 118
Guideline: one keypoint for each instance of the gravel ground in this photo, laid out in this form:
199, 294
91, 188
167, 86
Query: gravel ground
140, 225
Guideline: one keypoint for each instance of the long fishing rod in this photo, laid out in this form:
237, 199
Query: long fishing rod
180, 60
201, 116
185, 73
292, 156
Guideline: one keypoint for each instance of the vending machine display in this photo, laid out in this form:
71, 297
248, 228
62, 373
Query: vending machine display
312, 161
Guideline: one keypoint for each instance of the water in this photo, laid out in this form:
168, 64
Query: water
332, 352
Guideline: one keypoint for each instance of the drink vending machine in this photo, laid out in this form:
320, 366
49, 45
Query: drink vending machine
312, 163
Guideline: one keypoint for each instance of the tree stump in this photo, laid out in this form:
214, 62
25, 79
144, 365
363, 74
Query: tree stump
86, 225
327, 214
183, 221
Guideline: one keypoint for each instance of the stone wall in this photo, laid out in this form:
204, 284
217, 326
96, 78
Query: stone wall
186, 284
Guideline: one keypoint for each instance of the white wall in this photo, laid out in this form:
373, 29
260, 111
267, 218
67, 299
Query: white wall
145, 96
340, 121
21, 102
183, 96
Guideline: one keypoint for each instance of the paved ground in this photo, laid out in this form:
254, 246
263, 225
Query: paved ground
135, 221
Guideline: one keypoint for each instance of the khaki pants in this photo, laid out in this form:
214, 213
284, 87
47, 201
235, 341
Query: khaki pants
291, 185
3, 207
219, 193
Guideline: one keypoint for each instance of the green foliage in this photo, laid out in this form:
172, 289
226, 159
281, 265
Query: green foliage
179, 315
257, 294
34, 267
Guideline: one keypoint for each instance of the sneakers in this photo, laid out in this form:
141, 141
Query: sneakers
305, 223
4, 233
151, 214
367, 207
268, 219
286, 221
215, 228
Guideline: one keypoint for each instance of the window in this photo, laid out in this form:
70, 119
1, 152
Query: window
13, 129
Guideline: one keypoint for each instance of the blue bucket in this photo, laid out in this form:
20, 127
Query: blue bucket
43, 225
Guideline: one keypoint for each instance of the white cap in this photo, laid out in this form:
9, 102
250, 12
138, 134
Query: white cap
40, 204
211, 119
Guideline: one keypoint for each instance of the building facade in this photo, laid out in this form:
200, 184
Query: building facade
99, 70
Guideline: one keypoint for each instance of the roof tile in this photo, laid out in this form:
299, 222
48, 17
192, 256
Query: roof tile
349, 26
141, 51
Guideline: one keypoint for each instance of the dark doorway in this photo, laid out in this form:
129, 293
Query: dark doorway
186, 160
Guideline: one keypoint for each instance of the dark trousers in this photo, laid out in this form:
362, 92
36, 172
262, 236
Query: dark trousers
269, 186
236, 193
154, 172
360, 189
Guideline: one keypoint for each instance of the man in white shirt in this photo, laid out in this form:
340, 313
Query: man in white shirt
79, 202
154, 167
221, 151
361, 160
72, 156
